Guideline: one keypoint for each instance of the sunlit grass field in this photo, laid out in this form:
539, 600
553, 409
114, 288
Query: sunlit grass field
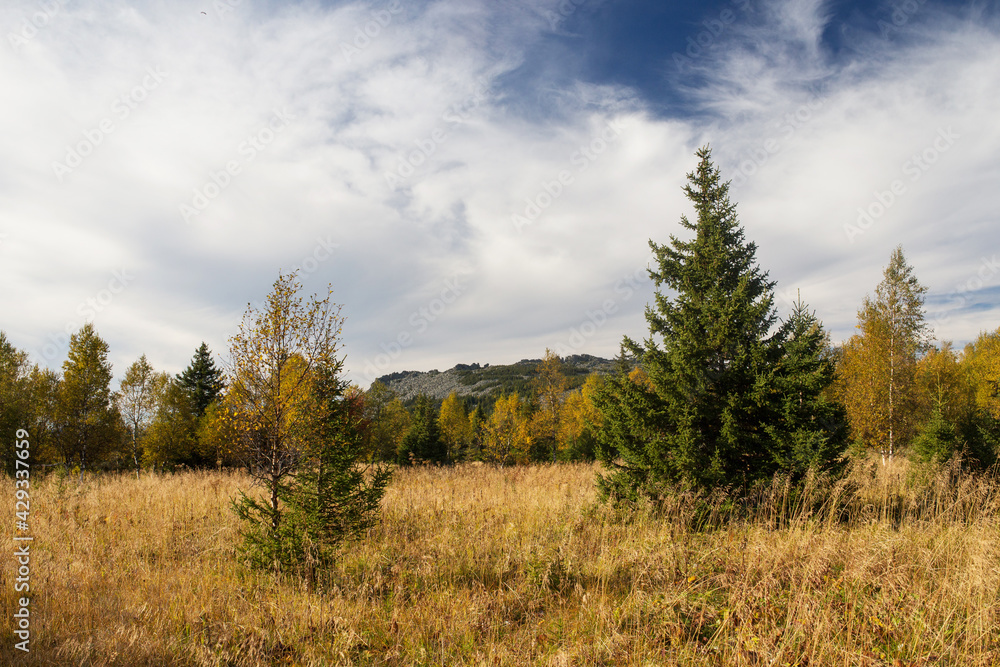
474, 565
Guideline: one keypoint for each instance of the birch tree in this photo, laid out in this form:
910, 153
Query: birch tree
137, 404
274, 361
877, 374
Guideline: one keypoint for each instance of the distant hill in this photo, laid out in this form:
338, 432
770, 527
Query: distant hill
488, 381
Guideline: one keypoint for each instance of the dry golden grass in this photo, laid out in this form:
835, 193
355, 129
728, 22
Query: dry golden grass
474, 565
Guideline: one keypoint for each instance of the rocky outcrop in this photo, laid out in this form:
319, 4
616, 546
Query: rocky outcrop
476, 380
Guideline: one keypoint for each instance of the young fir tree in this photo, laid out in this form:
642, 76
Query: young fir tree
423, 442
810, 430
701, 416
938, 439
338, 495
202, 380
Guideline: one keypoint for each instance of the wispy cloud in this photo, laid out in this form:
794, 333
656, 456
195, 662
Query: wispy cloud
407, 147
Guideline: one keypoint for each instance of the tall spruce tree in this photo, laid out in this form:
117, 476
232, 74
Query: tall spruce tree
700, 418
201, 379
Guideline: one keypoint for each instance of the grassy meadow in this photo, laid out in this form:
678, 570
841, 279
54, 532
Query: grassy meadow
474, 565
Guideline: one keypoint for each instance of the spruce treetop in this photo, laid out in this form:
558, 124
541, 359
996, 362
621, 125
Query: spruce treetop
719, 288
201, 379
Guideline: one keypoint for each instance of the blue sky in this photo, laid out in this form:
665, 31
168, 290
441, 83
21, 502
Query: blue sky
478, 180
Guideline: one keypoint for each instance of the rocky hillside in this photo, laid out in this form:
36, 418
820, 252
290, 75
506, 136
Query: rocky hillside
475, 380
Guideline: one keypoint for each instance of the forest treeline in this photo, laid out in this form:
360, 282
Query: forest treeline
946, 401
724, 391
159, 421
